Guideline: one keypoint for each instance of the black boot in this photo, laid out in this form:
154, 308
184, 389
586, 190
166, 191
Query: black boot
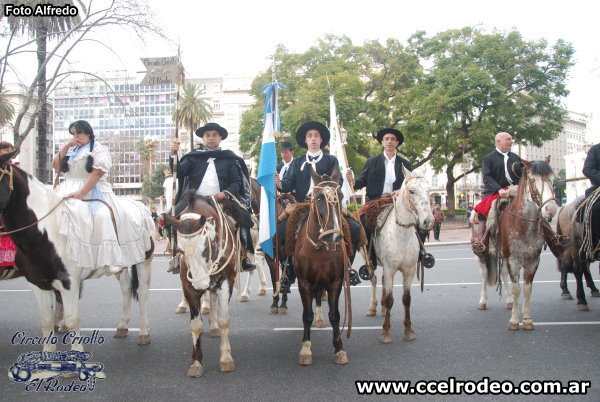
289, 270
246, 239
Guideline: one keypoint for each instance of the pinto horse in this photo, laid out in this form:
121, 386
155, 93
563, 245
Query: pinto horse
572, 260
319, 260
210, 261
520, 233
397, 247
32, 212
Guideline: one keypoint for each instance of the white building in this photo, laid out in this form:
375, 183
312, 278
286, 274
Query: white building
577, 183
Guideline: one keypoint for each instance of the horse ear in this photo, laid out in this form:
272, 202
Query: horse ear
316, 178
527, 164
547, 159
335, 175
405, 171
171, 221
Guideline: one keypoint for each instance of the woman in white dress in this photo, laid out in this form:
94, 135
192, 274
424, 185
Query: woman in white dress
85, 164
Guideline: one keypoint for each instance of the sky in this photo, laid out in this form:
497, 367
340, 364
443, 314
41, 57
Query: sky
235, 37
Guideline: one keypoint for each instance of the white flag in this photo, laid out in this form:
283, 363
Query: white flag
337, 150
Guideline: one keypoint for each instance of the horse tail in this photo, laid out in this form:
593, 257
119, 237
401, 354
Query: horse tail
135, 282
491, 268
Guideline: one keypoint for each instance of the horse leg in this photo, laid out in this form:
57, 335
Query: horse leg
373, 304
590, 282
581, 301
508, 286
409, 332
247, 289
319, 311
484, 285
262, 279
205, 303
307, 318
59, 312
340, 356
70, 300
226, 362
142, 293
283, 309
275, 305
513, 323
527, 289
565, 295
195, 368
387, 301
183, 305
125, 282
383, 309
45, 300
213, 319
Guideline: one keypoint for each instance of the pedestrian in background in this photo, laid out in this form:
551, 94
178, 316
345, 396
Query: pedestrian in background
439, 217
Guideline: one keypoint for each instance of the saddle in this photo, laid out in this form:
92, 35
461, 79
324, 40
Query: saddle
296, 215
373, 210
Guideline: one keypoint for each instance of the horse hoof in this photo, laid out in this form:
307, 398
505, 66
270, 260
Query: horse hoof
205, 310
321, 324
121, 333
245, 299
341, 357
262, 292
410, 335
528, 325
596, 293
305, 360
215, 332
385, 338
227, 365
482, 306
566, 296
180, 310
583, 307
509, 305
371, 313
195, 370
143, 340
273, 310
513, 327
282, 310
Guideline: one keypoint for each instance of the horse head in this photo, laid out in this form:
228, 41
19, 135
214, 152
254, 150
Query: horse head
197, 231
326, 205
540, 186
6, 179
414, 197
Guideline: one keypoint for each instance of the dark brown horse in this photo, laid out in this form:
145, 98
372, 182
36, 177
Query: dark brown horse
520, 233
319, 260
572, 260
209, 264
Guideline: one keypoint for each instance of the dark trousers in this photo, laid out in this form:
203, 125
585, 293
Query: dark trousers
436, 230
596, 223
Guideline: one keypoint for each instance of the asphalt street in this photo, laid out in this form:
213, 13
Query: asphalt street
454, 339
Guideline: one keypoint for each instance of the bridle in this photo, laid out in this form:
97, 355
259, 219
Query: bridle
536, 197
332, 201
408, 204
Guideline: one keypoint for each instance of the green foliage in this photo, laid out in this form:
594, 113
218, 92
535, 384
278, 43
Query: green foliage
7, 110
193, 108
153, 188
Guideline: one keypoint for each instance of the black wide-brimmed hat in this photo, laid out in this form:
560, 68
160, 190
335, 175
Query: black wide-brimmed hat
287, 145
397, 133
212, 126
312, 125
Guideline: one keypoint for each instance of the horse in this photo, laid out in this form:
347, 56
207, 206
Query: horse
520, 233
32, 215
320, 260
397, 247
210, 261
572, 260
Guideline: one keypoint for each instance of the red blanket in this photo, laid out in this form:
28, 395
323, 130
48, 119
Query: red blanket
484, 205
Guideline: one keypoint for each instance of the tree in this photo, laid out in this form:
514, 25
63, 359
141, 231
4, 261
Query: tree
132, 15
193, 109
480, 84
7, 110
153, 187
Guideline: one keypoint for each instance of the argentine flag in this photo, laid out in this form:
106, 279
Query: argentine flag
266, 169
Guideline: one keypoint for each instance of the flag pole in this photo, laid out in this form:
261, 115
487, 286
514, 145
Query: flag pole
276, 251
180, 78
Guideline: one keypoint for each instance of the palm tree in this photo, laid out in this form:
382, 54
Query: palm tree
7, 110
43, 28
193, 109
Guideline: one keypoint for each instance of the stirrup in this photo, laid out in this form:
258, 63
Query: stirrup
174, 265
479, 249
247, 266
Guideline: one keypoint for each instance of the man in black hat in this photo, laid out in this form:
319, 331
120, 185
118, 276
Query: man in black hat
287, 155
211, 171
313, 136
591, 170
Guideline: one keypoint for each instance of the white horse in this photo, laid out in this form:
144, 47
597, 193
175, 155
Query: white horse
397, 246
258, 261
33, 214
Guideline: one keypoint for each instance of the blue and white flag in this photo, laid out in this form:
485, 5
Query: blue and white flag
337, 149
267, 166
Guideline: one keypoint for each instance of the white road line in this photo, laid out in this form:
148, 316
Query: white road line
108, 329
551, 323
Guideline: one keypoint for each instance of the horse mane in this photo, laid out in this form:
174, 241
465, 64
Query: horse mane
541, 168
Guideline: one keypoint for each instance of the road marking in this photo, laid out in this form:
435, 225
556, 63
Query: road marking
555, 323
107, 329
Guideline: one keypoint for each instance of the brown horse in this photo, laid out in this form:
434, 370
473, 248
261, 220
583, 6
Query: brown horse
208, 240
572, 259
520, 233
319, 260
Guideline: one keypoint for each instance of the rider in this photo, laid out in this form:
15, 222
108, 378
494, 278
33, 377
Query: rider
287, 155
500, 169
591, 170
313, 136
211, 171
382, 174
